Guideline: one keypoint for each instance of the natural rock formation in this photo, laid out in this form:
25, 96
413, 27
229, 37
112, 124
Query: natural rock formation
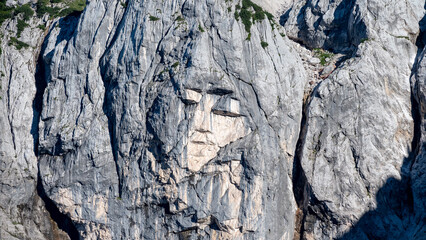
418, 168
357, 150
207, 119
162, 120
22, 213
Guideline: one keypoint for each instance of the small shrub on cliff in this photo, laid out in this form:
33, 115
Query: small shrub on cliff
26, 11
248, 17
153, 18
20, 26
18, 44
5, 11
74, 7
44, 7
323, 55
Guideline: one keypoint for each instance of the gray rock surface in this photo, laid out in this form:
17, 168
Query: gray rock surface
418, 169
356, 152
22, 213
169, 120
162, 121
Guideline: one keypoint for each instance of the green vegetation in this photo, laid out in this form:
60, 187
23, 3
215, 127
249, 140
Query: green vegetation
175, 65
264, 44
323, 55
18, 44
180, 22
237, 15
26, 11
364, 40
21, 26
5, 11
44, 7
404, 37
73, 7
123, 4
8, 12
269, 16
180, 19
42, 27
153, 19
201, 29
248, 17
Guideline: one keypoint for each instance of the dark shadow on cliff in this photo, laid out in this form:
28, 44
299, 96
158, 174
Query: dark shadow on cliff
40, 83
42, 74
342, 35
63, 221
394, 217
67, 26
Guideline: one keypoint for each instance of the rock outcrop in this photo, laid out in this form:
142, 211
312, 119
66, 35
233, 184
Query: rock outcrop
168, 120
207, 119
357, 150
23, 214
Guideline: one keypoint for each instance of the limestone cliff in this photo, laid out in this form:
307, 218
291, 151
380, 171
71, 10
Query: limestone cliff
226, 119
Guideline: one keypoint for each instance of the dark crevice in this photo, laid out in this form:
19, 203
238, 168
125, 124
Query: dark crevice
284, 18
41, 85
415, 105
63, 221
300, 182
415, 113
109, 86
109, 113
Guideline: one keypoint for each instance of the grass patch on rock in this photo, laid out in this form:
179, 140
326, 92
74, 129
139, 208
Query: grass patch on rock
18, 44
323, 55
250, 12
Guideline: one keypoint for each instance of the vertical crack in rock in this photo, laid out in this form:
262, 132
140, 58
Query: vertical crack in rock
107, 109
40, 83
415, 104
62, 221
300, 183
416, 143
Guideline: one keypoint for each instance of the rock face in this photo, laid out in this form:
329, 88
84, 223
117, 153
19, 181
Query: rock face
22, 212
418, 169
179, 119
358, 143
162, 121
